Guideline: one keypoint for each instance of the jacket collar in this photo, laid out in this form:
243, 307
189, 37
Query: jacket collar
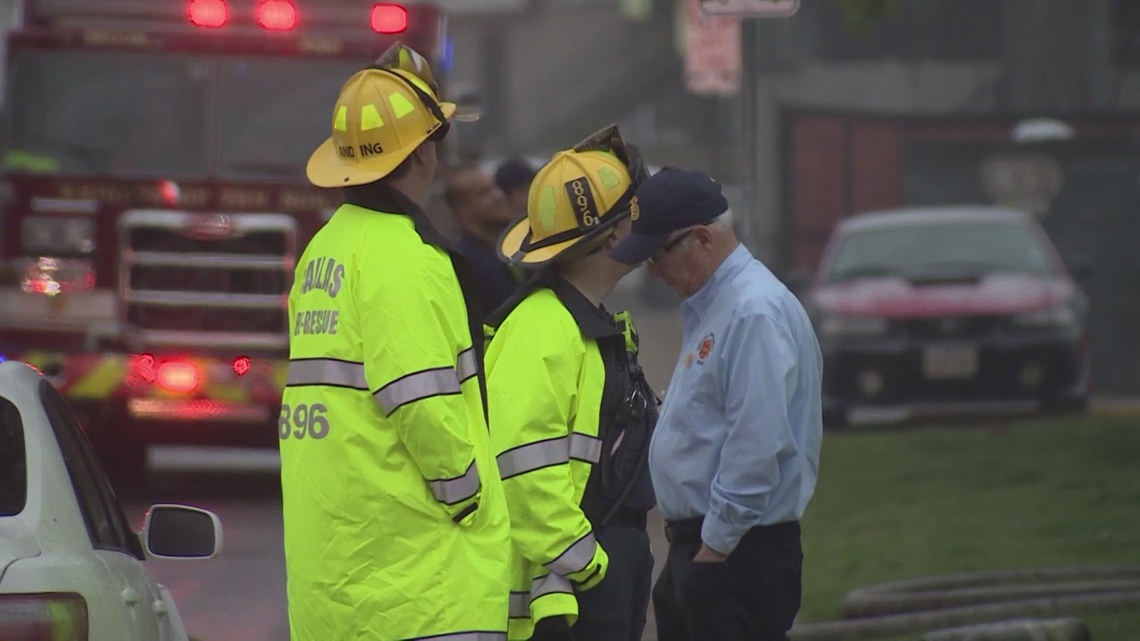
595, 322
387, 199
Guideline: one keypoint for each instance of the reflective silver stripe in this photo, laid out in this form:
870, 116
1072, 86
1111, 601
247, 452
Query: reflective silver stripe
466, 636
533, 456
519, 605
467, 364
417, 386
540, 454
326, 371
458, 489
550, 584
576, 557
585, 448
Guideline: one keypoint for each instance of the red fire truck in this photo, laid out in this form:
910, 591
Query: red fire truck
153, 201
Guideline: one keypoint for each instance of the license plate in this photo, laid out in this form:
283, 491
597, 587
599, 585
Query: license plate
950, 362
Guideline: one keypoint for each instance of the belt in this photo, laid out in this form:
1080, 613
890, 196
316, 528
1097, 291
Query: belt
689, 530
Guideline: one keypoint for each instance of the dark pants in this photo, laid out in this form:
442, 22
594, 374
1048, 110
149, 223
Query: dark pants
753, 596
615, 609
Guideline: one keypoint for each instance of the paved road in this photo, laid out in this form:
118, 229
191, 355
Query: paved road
240, 595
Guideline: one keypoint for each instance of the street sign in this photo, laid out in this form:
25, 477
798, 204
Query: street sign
751, 8
713, 61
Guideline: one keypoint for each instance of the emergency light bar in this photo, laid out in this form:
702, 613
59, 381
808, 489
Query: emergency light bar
211, 14
276, 15
386, 18
389, 18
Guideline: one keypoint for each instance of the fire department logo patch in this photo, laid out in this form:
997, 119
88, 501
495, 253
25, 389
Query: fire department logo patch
705, 348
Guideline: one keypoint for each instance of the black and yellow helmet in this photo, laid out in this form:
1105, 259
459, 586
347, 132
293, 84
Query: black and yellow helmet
575, 198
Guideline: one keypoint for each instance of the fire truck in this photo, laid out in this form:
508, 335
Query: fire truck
153, 201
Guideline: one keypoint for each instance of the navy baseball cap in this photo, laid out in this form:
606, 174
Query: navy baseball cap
670, 200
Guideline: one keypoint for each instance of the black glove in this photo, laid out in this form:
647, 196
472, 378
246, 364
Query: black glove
552, 628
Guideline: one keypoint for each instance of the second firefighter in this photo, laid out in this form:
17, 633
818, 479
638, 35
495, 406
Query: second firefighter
571, 414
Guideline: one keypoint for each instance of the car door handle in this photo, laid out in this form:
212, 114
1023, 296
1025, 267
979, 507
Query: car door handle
130, 597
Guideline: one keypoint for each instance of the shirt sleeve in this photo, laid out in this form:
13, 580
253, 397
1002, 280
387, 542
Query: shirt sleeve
532, 391
757, 380
414, 371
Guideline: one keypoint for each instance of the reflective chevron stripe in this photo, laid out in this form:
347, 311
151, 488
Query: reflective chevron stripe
467, 365
519, 605
576, 557
327, 371
437, 381
555, 451
458, 489
417, 387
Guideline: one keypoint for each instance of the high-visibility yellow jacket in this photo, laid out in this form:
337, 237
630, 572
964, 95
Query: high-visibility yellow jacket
396, 525
546, 378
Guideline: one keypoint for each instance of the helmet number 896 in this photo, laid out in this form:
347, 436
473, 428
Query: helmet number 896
583, 203
298, 420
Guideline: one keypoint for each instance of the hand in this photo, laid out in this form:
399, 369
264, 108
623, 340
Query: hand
708, 555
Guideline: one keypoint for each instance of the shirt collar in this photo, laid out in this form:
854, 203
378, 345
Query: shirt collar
703, 299
594, 321
385, 198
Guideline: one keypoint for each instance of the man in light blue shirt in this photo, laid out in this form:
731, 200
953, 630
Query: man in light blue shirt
735, 455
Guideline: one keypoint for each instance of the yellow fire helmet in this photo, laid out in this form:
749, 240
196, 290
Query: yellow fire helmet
383, 114
575, 198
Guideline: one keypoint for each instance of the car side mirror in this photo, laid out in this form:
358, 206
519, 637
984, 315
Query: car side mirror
798, 279
181, 532
1081, 267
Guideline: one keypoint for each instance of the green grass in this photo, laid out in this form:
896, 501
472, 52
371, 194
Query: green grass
927, 501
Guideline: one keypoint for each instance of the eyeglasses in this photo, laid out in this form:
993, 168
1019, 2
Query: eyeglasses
670, 246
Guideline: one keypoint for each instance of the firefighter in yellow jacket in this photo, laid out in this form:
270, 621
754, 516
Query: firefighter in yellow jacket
571, 413
396, 525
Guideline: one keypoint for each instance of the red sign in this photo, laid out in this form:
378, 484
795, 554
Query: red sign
712, 51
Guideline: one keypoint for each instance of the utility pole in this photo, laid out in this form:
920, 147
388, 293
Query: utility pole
756, 234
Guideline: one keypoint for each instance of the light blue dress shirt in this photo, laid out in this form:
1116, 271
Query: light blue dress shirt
740, 429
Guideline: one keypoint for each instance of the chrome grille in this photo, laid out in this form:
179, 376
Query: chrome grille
207, 280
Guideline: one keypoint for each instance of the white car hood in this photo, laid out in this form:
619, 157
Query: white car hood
16, 542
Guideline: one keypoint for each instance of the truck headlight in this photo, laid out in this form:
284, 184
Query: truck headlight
1058, 317
58, 234
852, 326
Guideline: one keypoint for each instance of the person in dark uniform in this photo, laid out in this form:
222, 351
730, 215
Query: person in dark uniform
482, 212
514, 176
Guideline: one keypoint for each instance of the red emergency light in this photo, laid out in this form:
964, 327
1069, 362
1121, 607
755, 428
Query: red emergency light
210, 14
276, 15
179, 376
389, 18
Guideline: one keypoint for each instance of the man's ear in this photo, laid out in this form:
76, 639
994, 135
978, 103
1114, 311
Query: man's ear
704, 235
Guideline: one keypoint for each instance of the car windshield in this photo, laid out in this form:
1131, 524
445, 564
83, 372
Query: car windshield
970, 248
95, 112
13, 461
